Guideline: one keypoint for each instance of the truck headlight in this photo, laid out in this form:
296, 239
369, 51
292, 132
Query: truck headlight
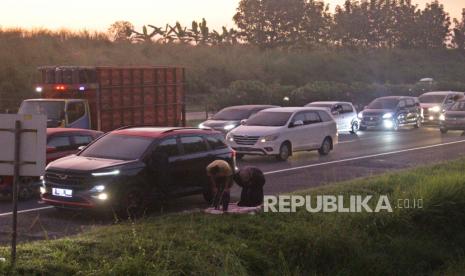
269, 138
229, 127
442, 117
435, 109
387, 116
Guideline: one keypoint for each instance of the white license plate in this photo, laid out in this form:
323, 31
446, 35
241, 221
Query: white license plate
62, 192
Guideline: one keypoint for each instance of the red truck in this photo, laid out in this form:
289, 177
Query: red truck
105, 98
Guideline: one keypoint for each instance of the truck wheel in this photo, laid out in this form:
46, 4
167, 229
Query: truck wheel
325, 147
284, 152
25, 189
355, 128
443, 130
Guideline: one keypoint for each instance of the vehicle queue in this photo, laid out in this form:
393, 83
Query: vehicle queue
119, 166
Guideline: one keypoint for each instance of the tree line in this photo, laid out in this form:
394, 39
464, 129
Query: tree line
303, 24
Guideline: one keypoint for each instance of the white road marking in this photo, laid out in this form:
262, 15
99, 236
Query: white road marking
362, 157
26, 211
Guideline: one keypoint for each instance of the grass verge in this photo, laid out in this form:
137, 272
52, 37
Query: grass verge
430, 240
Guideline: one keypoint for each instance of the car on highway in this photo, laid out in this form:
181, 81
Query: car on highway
391, 113
281, 131
231, 117
60, 143
344, 113
134, 166
453, 118
433, 104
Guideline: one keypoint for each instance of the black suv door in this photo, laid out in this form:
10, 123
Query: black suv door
195, 158
176, 175
412, 109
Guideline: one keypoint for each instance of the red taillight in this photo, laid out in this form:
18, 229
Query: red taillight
60, 87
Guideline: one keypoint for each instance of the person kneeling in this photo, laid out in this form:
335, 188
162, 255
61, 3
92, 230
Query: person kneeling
251, 180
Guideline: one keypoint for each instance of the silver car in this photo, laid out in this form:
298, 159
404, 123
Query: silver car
433, 104
344, 114
231, 117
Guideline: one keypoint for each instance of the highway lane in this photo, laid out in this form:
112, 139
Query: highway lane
365, 154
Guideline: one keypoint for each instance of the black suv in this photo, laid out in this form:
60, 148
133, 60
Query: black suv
391, 113
133, 166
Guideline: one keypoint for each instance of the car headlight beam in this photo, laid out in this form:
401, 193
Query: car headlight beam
229, 127
114, 172
269, 138
387, 116
435, 109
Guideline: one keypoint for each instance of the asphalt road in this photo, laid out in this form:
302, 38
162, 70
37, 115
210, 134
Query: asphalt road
365, 154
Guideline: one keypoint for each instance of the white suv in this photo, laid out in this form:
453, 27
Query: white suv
284, 130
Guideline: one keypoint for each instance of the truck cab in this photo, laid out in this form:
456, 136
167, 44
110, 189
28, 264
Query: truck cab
69, 113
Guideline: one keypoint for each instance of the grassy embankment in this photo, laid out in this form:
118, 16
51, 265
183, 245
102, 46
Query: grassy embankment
408, 241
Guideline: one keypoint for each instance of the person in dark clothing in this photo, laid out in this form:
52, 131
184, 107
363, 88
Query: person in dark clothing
220, 174
251, 180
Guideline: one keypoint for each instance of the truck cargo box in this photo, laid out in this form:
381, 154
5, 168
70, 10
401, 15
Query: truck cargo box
120, 96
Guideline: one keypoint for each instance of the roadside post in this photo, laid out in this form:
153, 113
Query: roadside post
23, 154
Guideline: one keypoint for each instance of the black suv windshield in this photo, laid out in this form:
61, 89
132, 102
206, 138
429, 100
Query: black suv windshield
458, 106
383, 104
232, 114
118, 147
269, 119
432, 98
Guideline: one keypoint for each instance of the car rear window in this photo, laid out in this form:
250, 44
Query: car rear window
118, 147
193, 144
325, 117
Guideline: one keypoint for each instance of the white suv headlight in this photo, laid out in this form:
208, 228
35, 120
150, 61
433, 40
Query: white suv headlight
269, 138
360, 115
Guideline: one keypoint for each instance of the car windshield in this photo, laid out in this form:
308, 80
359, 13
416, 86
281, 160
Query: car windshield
432, 98
118, 147
458, 106
232, 114
54, 110
269, 119
383, 104
320, 105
